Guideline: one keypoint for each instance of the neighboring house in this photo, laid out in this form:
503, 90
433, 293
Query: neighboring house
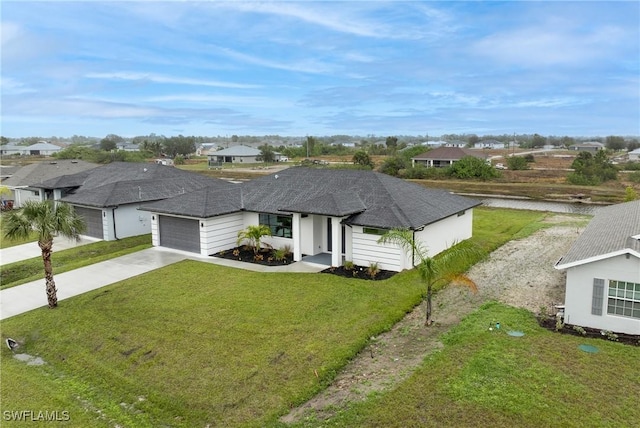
589, 146
108, 197
12, 149
634, 155
25, 182
127, 147
489, 144
235, 154
42, 148
206, 149
603, 272
314, 211
444, 156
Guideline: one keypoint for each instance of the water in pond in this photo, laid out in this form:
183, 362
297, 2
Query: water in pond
528, 204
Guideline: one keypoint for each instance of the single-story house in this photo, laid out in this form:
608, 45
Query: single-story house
445, 156
42, 148
634, 155
589, 146
603, 272
235, 154
315, 211
489, 144
127, 147
206, 149
12, 149
25, 182
108, 197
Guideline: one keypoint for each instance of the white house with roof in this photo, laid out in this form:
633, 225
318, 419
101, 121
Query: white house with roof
603, 272
43, 148
25, 183
443, 157
634, 155
341, 213
236, 154
108, 197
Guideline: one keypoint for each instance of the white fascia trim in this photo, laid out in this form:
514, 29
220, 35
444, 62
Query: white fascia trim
561, 266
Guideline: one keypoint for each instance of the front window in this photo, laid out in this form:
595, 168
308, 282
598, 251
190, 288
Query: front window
374, 231
280, 225
624, 299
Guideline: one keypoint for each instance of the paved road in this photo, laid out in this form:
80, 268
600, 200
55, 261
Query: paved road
29, 296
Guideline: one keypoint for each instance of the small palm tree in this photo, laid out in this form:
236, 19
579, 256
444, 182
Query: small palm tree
431, 270
47, 219
254, 235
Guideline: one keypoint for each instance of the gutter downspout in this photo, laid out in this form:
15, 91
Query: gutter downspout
113, 215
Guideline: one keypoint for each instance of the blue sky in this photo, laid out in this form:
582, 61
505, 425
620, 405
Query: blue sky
320, 68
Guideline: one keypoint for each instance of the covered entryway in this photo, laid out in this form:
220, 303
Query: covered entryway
93, 220
179, 233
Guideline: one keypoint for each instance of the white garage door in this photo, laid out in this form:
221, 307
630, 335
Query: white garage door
179, 233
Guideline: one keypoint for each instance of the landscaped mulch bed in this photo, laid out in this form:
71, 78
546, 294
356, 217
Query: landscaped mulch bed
359, 272
550, 324
246, 254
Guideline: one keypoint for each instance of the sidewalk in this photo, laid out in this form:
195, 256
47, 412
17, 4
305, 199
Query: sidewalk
30, 250
29, 296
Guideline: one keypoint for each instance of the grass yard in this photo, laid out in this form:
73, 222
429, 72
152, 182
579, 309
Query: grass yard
32, 269
195, 344
487, 378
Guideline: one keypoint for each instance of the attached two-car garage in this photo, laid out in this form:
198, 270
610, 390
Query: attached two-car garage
179, 233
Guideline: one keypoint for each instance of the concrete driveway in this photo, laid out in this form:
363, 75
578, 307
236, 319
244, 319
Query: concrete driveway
29, 296
30, 250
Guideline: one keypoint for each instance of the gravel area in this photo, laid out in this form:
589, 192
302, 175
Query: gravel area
520, 273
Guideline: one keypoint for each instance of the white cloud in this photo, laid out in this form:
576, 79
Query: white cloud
158, 78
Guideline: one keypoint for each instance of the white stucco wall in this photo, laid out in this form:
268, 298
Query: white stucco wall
579, 293
24, 195
220, 233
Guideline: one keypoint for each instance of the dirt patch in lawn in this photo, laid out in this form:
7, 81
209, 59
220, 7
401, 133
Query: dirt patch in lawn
520, 273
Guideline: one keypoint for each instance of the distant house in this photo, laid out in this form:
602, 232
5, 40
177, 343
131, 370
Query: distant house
12, 149
603, 272
235, 154
589, 146
127, 147
25, 182
42, 148
442, 157
634, 155
341, 213
489, 144
206, 149
108, 197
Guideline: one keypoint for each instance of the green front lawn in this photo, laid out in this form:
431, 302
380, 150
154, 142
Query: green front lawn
487, 378
195, 344
62, 261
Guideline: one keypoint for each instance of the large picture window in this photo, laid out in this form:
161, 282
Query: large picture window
624, 299
280, 225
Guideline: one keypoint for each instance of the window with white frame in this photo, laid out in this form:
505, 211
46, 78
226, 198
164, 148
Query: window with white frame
280, 225
624, 299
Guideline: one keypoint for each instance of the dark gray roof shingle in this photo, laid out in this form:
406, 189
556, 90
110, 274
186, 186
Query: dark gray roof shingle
121, 183
36, 174
368, 198
612, 230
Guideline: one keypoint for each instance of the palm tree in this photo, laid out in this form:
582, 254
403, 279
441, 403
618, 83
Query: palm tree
431, 270
47, 219
254, 235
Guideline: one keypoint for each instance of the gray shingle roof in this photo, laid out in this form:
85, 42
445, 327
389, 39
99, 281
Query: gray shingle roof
449, 153
38, 173
124, 183
609, 233
369, 198
237, 151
